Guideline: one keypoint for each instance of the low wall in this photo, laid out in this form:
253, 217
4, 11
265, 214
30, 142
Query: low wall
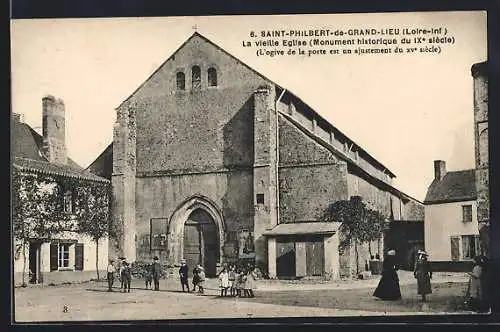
60, 277
452, 266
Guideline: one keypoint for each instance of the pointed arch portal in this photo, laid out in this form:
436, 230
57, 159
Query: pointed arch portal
196, 233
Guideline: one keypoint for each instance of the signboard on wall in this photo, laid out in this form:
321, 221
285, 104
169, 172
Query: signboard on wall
158, 233
246, 247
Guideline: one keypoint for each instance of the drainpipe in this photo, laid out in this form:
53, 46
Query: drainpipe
277, 159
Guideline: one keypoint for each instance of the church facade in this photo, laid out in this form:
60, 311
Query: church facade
213, 162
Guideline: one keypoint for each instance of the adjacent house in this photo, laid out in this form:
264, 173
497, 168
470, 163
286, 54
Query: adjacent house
451, 226
49, 192
213, 162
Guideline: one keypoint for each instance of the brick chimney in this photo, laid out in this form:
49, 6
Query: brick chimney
439, 169
54, 130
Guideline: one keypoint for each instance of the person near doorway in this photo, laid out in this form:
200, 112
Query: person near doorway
120, 270
201, 282
388, 286
423, 273
156, 271
126, 275
474, 291
111, 275
183, 274
232, 280
148, 275
196, 277
224, 282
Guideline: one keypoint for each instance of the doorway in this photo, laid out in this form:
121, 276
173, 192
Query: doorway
34, 262
201, 242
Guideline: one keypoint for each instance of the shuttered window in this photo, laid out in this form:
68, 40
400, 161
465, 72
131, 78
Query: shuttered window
79, 256
455, 248
467, 213
54, 247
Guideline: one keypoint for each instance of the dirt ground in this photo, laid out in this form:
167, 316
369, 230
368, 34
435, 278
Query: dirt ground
91, 301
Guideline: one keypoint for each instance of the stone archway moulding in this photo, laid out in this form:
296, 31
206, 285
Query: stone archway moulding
179, 218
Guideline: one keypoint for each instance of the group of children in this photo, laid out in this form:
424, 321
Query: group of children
124, 275
239, 281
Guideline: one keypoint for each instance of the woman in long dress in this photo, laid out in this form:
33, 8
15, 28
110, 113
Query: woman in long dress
474, 292
423, 274
388, 286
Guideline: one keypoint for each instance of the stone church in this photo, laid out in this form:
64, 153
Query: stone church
213, 162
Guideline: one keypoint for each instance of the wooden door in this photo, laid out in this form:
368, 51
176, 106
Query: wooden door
210, 248
315, 258
285, 259
192, 246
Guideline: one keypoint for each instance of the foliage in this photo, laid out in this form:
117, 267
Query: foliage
38, 207
359, 223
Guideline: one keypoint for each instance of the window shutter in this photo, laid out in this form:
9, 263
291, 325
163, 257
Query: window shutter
79, 257
455, 248
477, 243
54, 256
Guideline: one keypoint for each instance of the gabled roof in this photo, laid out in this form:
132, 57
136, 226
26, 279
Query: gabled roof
46, 168
362, 151
304, 228
27, 143
456, 186
103, 165
26, 147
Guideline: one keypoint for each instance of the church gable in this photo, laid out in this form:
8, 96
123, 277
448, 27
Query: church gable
201, 98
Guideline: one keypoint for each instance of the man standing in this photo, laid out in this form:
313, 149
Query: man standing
156, 271
126, 277
111, 275
183, 274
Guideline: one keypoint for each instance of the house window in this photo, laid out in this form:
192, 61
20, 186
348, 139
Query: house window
68, 202
181, 81
470, 246
212, 77
63, 255
196, 77
467, 213
260, 198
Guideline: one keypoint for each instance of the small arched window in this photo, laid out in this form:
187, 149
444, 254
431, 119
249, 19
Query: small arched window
212, 77
196, 77
181, 81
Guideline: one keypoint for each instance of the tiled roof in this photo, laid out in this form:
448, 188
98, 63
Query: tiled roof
455, 186
103, 165
27, 143
304, 228
44, 167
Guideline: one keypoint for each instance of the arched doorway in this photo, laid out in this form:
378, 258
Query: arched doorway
201, 243
195, 221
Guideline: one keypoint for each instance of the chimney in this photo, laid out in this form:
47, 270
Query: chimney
54, 130
439, 169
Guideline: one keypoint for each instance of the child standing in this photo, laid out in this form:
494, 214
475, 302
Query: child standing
232, 280
201, 282
196, 277
224, 282
183, 275
122, 266
250, 282
126, 277
148, 275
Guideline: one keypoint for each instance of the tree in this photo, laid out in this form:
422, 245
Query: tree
37, 210
360, 224
92, 213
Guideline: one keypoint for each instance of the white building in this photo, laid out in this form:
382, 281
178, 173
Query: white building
66, 256
450, 223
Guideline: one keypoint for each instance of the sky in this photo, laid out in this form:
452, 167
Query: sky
406, 110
